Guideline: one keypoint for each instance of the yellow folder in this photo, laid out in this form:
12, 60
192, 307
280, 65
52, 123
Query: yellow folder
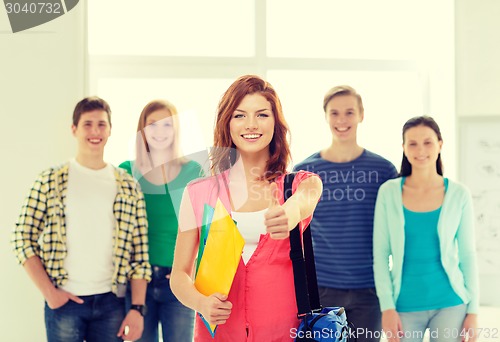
221, 255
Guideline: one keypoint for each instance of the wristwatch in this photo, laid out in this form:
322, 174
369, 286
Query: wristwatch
143, 309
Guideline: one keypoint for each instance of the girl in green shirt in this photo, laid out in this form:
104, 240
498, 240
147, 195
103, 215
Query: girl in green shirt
162, 173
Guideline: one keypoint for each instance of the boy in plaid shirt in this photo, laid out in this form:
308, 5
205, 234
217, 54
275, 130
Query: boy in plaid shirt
82, 234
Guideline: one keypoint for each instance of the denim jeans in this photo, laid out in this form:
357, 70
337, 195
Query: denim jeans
177, 321
98, 319
444, 324
362, 309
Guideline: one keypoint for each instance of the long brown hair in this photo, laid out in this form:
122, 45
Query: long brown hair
143, 155
223, 155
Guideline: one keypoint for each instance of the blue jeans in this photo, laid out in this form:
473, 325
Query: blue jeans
444, 324
177, 321
362, 309
98, 319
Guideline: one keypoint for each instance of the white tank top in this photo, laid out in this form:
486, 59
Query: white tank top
251, 227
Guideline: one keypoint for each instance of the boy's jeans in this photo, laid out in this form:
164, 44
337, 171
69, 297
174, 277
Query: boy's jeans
98, 319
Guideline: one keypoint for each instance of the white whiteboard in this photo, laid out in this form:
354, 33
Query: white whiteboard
480, 170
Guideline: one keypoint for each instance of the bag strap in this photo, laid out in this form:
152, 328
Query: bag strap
304, 272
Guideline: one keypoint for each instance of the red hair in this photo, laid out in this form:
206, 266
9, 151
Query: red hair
223, 155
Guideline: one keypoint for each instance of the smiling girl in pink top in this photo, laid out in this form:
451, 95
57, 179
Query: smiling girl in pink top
249, 162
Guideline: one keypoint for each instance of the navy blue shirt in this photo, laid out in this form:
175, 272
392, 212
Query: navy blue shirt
342, 225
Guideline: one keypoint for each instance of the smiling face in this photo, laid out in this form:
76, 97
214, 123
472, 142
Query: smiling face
343, 116
159, 130
421, 147
252, 125
92, 131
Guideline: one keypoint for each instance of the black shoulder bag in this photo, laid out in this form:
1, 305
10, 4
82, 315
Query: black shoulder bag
317, 323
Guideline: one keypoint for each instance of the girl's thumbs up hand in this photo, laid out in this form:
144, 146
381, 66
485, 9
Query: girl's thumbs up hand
276, 220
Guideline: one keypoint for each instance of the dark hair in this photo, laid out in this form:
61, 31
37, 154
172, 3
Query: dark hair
90, 104
223, 156
420, 121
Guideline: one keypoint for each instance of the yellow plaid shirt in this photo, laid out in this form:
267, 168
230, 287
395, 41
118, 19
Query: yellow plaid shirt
41, 228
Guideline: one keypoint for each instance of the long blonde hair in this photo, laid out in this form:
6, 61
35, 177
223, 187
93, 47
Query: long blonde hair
143, 153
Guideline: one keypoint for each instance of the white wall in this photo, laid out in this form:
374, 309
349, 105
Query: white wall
41, 79
478, 53
478, 82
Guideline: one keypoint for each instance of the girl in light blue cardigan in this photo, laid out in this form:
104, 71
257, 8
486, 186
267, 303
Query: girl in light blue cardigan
424, 223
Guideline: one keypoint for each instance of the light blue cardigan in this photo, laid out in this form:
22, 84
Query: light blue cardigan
456, 241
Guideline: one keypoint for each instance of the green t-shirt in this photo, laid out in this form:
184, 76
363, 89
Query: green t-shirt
162, 207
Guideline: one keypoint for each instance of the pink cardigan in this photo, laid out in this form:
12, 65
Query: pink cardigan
262, 294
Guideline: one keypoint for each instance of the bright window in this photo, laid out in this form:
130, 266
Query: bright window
195, 99
356, 29
302, 94
399, 55
171, 28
